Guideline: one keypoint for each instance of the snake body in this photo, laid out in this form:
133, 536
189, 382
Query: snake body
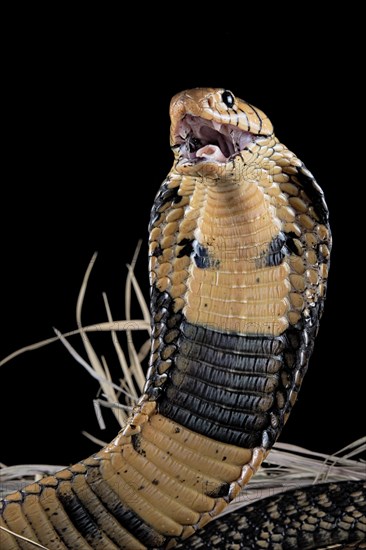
239, 252
321, 516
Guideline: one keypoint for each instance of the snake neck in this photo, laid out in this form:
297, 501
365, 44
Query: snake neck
230, 287
238, 269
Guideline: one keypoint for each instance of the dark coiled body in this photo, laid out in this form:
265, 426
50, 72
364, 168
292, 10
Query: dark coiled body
316, 517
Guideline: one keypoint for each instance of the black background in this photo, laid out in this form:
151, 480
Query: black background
87, 146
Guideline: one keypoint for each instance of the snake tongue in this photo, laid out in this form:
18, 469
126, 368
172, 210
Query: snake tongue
212, 152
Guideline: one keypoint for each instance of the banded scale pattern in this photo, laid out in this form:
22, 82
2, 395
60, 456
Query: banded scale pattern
329, 514
239, 252
139, 492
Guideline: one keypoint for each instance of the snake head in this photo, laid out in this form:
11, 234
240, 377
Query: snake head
212, 126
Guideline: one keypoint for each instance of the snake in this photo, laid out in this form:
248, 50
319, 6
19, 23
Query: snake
239, 249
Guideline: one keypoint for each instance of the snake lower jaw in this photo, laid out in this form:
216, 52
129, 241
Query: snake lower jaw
203, 153
209, 167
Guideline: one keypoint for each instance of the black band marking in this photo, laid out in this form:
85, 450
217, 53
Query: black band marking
122, 513
234, 388
315, 194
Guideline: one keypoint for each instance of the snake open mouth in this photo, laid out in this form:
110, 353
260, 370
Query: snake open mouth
208, 140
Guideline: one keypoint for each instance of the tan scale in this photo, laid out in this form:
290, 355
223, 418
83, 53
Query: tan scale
17, 522
38, 518
7, 539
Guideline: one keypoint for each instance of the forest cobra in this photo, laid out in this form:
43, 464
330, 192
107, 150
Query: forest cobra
239, 253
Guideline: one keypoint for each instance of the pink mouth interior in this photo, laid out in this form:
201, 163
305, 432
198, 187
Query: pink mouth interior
201, 139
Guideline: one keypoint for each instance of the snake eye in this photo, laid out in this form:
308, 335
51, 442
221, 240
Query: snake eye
228, 98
